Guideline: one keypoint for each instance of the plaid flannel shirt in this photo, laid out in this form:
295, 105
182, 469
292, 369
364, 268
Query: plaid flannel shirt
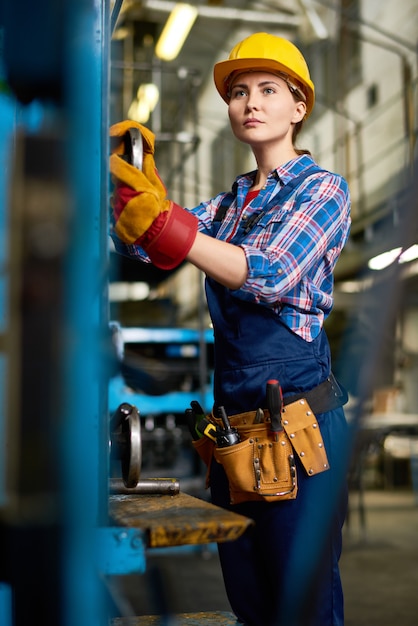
292, 254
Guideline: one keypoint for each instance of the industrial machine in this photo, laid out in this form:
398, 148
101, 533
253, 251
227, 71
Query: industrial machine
161, 371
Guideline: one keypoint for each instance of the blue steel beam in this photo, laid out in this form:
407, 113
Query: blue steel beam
84, 437
172, 402
120, 551
90, 549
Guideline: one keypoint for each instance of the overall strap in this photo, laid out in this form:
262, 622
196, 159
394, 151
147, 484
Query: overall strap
284, 192
224, 206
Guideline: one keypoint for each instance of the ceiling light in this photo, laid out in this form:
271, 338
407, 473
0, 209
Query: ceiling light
145, 102
175, 31
148, 92
385, 259
121, 33
139, 112
410, 254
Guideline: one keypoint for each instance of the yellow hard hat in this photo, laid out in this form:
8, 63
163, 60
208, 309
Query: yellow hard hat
266, 52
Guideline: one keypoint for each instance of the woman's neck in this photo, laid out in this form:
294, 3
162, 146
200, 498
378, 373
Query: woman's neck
267, 161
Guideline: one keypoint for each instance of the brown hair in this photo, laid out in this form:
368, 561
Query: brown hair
296, 130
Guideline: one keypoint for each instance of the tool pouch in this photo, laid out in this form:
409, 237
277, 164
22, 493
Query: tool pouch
260, 467
302, 428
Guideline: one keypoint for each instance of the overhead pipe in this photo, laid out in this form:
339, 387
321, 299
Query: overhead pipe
225, 13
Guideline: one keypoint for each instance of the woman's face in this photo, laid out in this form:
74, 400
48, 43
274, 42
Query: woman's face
262, 109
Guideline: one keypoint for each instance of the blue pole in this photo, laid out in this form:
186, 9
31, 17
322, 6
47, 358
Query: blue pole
84, 444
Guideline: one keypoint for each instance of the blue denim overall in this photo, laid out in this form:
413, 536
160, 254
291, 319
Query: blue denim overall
284, 571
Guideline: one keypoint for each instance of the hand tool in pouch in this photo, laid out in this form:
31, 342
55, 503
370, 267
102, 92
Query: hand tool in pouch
198, 424
274, 398
259, 416
205, 427
192, 425
198, 411
226, 436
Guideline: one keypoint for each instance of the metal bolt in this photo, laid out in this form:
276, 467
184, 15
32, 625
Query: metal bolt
137, 542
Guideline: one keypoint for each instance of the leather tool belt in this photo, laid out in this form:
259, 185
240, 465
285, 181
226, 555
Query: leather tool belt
262, 465
327, 396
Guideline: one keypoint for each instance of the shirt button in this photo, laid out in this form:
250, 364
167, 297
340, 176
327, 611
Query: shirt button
280, 271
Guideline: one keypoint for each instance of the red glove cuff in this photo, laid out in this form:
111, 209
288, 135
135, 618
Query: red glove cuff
170, 237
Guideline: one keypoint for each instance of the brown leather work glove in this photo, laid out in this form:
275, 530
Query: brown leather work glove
143, 214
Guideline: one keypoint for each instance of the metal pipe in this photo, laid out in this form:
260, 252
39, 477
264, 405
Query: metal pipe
225, 13
146, 486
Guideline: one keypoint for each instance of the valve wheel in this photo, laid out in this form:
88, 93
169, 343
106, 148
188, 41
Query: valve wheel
132, 455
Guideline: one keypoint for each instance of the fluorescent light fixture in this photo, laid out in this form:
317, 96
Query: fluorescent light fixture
410, 254
149, 93
385, 259
145, 102
121, 33
175, 31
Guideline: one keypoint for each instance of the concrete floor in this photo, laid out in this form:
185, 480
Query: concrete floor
379, 569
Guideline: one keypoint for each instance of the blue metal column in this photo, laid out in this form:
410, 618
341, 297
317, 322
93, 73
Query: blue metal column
68, 92
84, 445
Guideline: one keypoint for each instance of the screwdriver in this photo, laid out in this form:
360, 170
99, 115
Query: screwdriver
274, 398
226, 436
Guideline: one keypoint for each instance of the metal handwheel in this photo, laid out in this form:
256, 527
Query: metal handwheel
125, 442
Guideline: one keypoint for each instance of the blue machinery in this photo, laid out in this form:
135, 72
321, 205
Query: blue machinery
56, 547
162, 370
187, 344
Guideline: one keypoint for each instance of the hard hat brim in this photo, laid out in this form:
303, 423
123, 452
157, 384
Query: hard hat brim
223, 70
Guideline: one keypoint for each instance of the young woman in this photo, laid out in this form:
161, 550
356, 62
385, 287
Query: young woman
268, 249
